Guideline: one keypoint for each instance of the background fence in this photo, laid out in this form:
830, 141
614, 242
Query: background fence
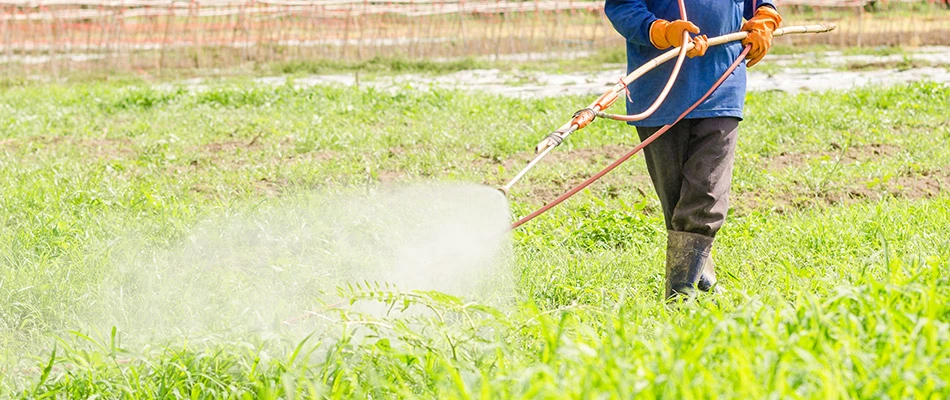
52, 36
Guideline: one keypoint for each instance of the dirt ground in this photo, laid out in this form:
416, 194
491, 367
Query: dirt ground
830, 70
909, 185
803, 72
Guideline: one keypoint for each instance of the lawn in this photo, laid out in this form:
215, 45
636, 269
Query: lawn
835, 256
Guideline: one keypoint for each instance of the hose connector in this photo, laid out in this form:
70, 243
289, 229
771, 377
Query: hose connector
583, 118
554, 139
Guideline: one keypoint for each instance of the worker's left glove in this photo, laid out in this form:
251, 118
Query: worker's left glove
760, 28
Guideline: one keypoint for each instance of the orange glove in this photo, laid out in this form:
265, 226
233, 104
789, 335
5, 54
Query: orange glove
760, 29
700, 44
664, 34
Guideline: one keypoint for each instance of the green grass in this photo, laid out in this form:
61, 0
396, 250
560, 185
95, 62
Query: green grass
836, 255
387, 66
375, 65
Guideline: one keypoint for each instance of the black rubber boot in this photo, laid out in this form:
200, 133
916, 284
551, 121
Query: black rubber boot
707, 282
688, 265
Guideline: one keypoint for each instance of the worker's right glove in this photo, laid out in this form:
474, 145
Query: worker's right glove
700, 44
664, 34
760, 28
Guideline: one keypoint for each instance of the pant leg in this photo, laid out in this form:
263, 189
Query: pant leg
707, 176
665, 158
691, 169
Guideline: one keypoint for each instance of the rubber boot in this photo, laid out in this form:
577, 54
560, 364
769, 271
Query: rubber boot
707, 282
688, 265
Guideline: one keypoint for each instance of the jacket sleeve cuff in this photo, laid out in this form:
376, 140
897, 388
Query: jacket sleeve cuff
645, 30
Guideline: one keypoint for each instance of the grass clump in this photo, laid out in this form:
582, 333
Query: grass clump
376, 65
857, 341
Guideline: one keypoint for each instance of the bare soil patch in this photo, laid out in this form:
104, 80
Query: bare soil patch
909, 186
94, 148
232, 154
589, 155
852, 154
611, 186
270, 187
592, 160
229, 146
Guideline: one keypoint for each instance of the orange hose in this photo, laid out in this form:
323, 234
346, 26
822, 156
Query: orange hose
635, 150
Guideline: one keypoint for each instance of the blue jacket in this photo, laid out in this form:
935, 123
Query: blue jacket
632, 19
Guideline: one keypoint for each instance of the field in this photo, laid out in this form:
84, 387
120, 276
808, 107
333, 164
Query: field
836, 254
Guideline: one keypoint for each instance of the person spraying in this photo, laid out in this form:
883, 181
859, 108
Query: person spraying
691, 165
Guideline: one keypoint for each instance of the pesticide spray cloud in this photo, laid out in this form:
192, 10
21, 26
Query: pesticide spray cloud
250, 272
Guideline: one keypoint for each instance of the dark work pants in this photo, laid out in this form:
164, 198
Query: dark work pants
691, 169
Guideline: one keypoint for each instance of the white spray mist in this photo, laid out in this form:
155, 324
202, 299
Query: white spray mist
252, 271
